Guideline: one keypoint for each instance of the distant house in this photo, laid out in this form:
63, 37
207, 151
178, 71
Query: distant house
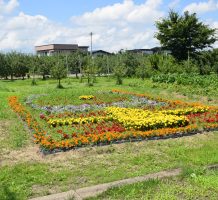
100, 53
150, 51
160, 50
50, 49
141, 51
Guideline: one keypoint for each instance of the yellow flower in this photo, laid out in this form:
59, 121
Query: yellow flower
145, 119
86, 97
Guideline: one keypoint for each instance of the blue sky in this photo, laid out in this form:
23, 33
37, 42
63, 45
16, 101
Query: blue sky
67, 8
116, 24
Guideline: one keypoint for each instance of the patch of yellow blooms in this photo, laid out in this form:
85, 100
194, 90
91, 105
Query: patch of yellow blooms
86, 97
80, 120
140, 119
186, 111
137, 119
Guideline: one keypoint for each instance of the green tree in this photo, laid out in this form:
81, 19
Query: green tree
130, 62
13, 62
59, 72
21, 68
33, 68
215, 56
143, 70
110, 64
4, 72
44, 65
205, 61
74, 62
184, 35
89, 70
154, 61
101, 64
119, 71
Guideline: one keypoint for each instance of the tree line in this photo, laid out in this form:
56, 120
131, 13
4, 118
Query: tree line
122, 64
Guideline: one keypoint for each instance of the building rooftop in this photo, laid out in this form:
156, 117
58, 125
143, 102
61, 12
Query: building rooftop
49, 49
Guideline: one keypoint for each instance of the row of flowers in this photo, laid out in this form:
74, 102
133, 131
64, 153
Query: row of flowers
207, 117
107, 137
134, 118
80, 120
89, 129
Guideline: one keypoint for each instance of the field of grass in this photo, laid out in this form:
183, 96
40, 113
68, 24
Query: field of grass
199, 184
26, 173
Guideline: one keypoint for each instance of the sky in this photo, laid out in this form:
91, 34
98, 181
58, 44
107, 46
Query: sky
116, 24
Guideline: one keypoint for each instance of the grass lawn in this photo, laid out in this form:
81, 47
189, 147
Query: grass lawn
26, 173
200, 184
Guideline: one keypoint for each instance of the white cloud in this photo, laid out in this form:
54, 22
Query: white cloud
123, 25
108, 13
122, 12
8, 7
202, 7
214, 24
22, 20
22, 32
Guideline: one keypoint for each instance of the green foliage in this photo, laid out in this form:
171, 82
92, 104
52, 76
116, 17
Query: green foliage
74, 61
16, 65
130, 63
44, 64
21, 65
101, 65
187, 79
4, 72
207, 61
143, 70
184, 34
90, 70
119, 72
168, 64
164, 78
154, 61
59, 72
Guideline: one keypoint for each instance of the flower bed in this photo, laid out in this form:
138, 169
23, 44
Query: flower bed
64, 131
